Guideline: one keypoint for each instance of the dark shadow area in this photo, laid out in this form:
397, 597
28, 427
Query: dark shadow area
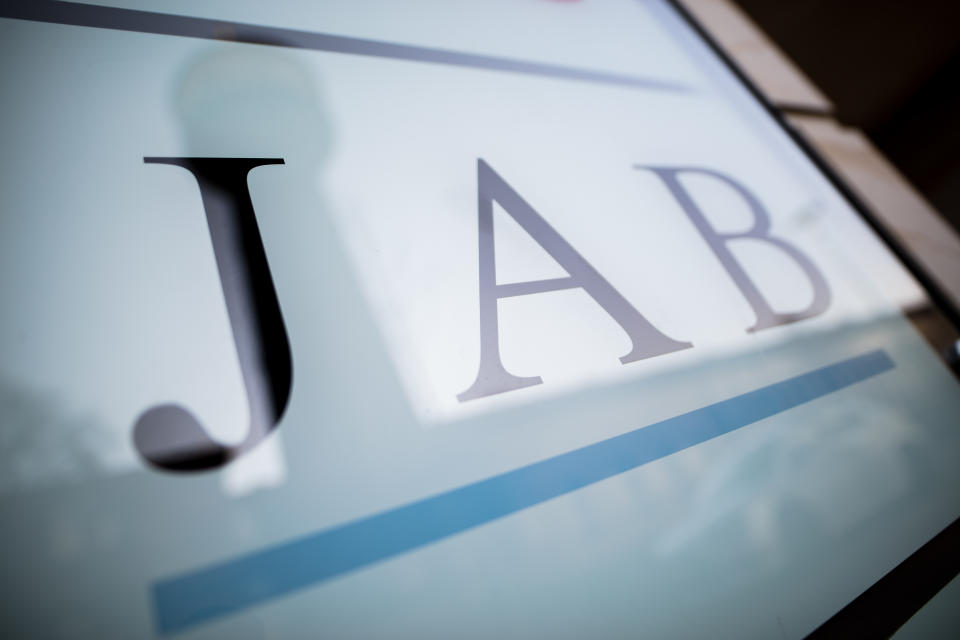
891, 68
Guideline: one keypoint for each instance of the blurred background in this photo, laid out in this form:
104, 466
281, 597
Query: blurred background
873, 88
891, 69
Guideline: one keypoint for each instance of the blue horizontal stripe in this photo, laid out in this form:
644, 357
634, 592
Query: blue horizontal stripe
211, 592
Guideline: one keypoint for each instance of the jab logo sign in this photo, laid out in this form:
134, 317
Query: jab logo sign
170, 437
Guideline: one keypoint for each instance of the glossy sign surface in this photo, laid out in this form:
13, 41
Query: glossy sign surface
438, 320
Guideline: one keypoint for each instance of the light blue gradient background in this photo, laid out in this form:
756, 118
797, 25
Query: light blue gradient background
109, 286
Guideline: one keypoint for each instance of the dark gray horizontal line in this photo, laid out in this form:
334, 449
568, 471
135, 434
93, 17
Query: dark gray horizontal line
534, 286
88, 15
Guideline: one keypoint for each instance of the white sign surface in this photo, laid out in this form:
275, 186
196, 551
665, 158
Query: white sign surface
552, 332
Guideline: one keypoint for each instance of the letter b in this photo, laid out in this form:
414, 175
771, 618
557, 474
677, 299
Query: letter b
766, 316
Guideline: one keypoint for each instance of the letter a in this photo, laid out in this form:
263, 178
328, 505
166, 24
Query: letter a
492, 377
766, 316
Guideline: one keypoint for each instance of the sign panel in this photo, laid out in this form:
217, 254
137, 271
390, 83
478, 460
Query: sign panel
467, 319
